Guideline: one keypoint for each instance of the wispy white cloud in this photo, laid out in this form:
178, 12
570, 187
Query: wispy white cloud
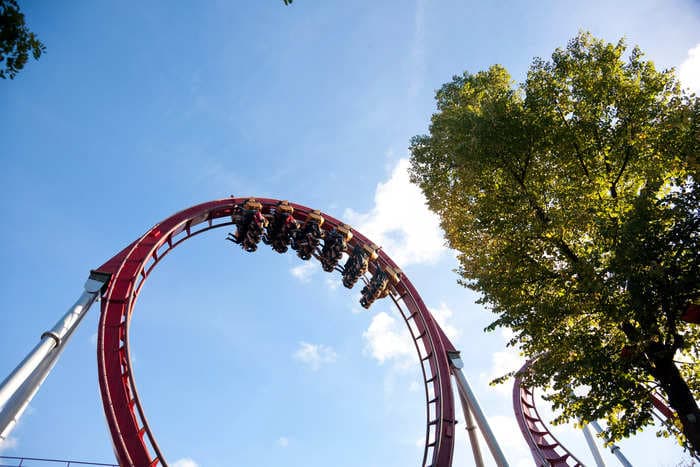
185, 462
315, 355
505, 429
283, 441
304, 271
388, 339
689, 70
443, 315
8, 444
502, 362
93, 339
332, 282
420, 442
507, 434
400, 220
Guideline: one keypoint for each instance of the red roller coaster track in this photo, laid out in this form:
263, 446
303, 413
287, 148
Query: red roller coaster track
546, 450
120, 280
134, 443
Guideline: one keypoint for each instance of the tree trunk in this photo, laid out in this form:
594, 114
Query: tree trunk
679, 398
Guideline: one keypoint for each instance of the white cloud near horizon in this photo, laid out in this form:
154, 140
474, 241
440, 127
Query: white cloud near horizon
185, 462
400, 221
689, 70
315, 355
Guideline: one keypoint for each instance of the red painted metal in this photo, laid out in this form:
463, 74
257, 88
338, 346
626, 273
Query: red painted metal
544, 447
546, 450
692, 314
134, 443
661, 407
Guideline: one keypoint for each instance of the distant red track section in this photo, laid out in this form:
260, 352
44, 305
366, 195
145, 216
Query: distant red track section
134, 443
546, 450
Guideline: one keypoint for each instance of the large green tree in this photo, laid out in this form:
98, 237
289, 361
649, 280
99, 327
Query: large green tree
573, 201
17, 42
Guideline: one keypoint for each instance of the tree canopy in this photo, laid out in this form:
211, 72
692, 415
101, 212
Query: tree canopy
573, 201
16, 40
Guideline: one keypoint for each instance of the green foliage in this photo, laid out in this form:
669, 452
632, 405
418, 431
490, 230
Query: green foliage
573, 202
16, 41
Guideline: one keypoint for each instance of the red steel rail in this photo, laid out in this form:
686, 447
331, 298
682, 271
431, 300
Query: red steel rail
546, 450
134, 443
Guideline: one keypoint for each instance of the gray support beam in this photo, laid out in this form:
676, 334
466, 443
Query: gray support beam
18, 389
466, 392
595, 450
18, 403
615, 449
471, 430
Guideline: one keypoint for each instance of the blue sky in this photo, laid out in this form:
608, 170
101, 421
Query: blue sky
139, 110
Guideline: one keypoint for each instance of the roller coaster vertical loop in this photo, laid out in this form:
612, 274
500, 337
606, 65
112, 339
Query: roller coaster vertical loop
119, 282
134, 442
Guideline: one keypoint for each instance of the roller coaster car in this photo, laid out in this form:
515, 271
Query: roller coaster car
251, 204
377, 288
285, 207
315, 216
335, 243
394, 274
249, 226
345, 230
357, 264
282, 229
308, 237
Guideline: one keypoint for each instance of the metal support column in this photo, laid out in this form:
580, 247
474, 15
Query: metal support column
595, 450
471, 430
615, 449
465, 392
18, 389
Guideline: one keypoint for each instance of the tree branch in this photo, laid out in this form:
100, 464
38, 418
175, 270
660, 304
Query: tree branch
613, 189
577, 148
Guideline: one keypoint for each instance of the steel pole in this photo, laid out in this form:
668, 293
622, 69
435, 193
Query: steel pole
615, 449
18, 389
19, 402
24, 370
471, 430
595, 450
466, 392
